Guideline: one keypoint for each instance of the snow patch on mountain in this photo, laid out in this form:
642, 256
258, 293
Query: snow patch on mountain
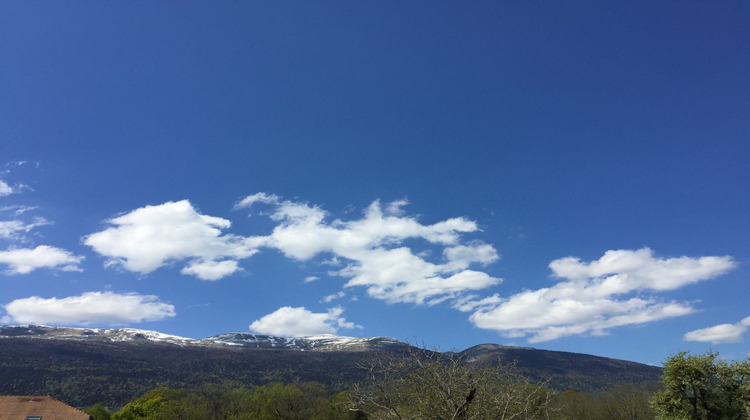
317, 342
236, 339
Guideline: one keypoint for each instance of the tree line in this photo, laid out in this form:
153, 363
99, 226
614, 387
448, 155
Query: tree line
424, 385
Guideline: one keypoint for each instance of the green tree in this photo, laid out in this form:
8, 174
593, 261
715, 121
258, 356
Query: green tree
98, 412
185, 405
286, 402
703, 387
145, 407
308, 401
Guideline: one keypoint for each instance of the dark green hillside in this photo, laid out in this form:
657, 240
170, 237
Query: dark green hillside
566, 371
84, 372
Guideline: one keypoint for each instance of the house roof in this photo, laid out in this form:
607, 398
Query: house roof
19, 407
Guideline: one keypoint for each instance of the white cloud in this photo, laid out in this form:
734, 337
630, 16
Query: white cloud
15, 229
399, 276
10, 229
150, 237
461, 257
25, 260
332, 297
591, 301
622, 271
372, 249
310, 279
18, 210
211, 270
89, 308
394, 208
723, 333
300, 322
5, 189
473, 302
257, 198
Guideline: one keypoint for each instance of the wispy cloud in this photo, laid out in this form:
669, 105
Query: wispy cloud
16, 226
300, 322
16, 230
89, 308
257, 198
8, 189
330, 298
18, 210
718, 334
5, 189
594, 298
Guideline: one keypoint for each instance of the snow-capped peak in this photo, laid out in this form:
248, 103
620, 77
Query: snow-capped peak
323, 342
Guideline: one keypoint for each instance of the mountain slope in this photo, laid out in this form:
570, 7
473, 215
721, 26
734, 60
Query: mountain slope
318, 343
114, 366
564, 370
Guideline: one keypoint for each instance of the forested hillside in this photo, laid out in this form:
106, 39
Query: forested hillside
83, 372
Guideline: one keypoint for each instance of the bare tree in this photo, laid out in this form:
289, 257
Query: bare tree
424, 384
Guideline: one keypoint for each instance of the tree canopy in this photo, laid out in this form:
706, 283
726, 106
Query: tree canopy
699, 387
306, 401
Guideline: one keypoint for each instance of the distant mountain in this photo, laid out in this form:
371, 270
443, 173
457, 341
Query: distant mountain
564, 370
318, 342
97, 334
113, 366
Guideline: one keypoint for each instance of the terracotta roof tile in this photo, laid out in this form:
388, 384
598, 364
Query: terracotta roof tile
19, 407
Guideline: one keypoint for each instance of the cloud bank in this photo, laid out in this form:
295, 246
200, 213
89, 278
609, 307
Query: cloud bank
370, 248
89, 308
397, 259
373, 252
598, 295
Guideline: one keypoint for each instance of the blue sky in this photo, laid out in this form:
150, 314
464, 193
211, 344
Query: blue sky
568, 176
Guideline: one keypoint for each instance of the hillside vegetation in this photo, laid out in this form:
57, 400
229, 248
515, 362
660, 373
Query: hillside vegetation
83, 372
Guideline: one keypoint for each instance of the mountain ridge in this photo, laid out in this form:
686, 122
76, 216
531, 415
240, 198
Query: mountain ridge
321, 342
114, 366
